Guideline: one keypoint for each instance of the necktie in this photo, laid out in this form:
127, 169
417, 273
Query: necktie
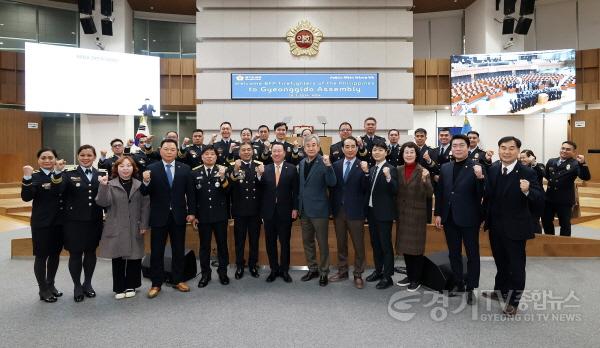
346, 170
505, 171
169, 175
88, 171
277, 173
374, 174
441, 150
559, 162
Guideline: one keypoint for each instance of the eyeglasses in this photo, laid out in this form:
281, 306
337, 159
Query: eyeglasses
345, 130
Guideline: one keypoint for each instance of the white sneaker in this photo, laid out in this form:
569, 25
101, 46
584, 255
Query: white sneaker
129, 293
120, 296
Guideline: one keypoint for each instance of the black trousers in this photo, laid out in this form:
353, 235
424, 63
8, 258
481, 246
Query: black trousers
205, 231
158, 240
414, 267
456, 236
381, 242
564, 218
250, 226
429, 211
509, 256
278, 228
127, 274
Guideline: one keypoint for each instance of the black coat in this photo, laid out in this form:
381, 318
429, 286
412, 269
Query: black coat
561, 180
394, 156
211, 195
349, 195
462, 196
80, 195
48, 205
224, 156
282, 198
193, 155
366, 155
508, 210
384, 193
245, 192
180, 199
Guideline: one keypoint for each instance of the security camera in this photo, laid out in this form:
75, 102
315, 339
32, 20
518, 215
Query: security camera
508, 44
99, 43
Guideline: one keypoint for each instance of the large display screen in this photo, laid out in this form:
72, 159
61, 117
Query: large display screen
75, 80
516, 83
304, 86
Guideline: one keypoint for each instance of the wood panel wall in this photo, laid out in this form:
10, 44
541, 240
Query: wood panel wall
178, 84
12, 78
587, 138
18, 144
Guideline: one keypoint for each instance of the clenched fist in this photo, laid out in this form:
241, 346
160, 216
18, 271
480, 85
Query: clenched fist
213, 138
103, 179
296, 144
360, 143
424, 175
268, 145
326, 161
386, 172
580, 159
364, 166
222, 170
232, 146
260, 170
146, 176
426, 156
237, 165
60, 165
27, 170
186, 141
478, 171
489, 154
524, 184
129, 142
103, 153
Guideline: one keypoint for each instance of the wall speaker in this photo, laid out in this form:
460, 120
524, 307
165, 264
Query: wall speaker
88, 25
523, 25
107, 27
106, 7
508, 26
86, 6
509, 7
527, 7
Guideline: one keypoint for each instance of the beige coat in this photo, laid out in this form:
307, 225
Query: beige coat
125, 217
411, 226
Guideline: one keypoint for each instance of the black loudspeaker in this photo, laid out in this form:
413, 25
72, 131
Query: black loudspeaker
86, 6
508, 26
527, 7
523, 25
437, 273
190, 268
88, 25
497, 5
509, 7
106, 7
106, 27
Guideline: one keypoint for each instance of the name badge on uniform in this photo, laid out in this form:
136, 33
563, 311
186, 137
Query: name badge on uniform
75, 179
77, 184
568, 166
476, 156
46, 186
289, 149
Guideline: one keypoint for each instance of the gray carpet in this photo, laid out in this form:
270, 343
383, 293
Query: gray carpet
250, 312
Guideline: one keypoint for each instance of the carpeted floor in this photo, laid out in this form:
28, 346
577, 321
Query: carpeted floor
250, 312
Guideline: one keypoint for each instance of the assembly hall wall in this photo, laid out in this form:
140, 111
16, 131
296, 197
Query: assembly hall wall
358, 36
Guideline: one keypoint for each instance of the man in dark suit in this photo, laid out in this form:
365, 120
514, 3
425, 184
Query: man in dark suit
394, 157
316, 175
279, 206
512, 199
561, 173
347, 203
211, 186
245, 208
226, 146
458, 209
369, 139
262, 146
336, 152
172, 204
147, 109
193, 153
381, 212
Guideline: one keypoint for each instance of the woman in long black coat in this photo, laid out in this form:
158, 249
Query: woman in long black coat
46, 221
83, 220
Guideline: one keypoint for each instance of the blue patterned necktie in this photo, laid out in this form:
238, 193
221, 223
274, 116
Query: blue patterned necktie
169, 175
346, 170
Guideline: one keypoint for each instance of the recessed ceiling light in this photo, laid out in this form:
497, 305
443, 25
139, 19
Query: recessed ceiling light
1, 43
166, 114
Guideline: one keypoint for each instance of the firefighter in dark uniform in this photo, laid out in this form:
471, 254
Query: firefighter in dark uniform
141, 159
424, 159
561, 173
83, 219
394, 156
245, 199
193, 153
475, 153
211, 186
106, 164
368, 139
335, 150
527, 158
46, 221
258, 149
226, 146
291, 151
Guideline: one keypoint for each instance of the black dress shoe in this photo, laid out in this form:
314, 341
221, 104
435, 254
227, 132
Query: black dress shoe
470, 297
271, 278
384, 283
373, 277
457, 290
223, 279
47, 296
54, 291
78, 298
254, 271
89, 292
309, 275
78, 294
286, 277
323, 280
239, 272
204, 280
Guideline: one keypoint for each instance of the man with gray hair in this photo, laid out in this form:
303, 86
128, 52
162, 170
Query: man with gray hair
316, 174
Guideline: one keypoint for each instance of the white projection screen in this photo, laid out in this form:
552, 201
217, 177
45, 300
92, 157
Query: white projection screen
75, 80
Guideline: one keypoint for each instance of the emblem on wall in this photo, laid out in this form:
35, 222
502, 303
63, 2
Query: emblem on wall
304, 39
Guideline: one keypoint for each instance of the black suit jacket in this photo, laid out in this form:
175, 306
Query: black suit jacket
508, 210
369, 148
461, 197
179, 199
282, 198
349, 196
438, 158
561, 180
384, 194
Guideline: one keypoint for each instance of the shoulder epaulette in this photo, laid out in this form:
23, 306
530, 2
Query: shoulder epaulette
257, 162
202, 165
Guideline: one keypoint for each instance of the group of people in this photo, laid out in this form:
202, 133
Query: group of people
272, 183
528, 99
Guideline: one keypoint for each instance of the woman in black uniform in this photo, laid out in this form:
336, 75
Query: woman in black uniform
46, 221
83, 220
527, 158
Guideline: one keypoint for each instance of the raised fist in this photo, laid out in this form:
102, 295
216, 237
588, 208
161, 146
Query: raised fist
296, 144
424, 175
326, 161
386, 171
359, 141
237, 165
130, 142
222, 170
524, 184
260, 170
213, 138
255, 137
186, 141
103, 153
232, 146
580, 159
426, 156
364, 166
268, 145
27, 170
60, 165
146, 176
478, 171
489, 154
103, 179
